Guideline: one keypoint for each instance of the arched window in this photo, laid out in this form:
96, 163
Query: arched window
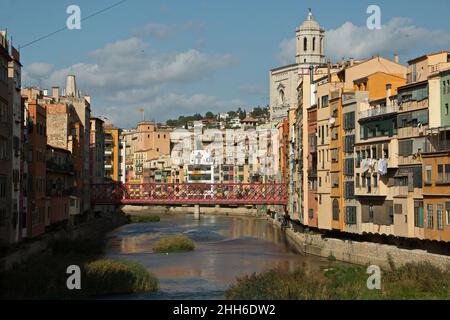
314, 44
335, 210
305, 44
321, 45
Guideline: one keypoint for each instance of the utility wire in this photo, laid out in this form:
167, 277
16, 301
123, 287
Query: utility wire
65, 27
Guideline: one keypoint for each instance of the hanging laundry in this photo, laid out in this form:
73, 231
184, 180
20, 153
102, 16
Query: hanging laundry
382, 166
372, 163
365, 165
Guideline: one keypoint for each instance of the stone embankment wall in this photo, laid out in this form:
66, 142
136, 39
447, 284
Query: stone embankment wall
94, 229
361, 253
216, 210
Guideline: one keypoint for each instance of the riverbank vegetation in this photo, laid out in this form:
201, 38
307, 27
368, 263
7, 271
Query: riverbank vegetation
143, 218
179, 243
45, 276
344, 282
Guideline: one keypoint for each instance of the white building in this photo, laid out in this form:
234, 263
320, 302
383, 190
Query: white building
284, 80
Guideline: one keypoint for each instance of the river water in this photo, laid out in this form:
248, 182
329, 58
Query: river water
226, 248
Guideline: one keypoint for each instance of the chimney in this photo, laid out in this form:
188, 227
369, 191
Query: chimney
396, 56
55, 92
71, 86
388, 95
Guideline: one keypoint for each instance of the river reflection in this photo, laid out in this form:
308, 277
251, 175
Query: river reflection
226, 248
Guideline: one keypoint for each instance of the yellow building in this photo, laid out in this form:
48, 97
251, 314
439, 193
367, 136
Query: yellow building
112, 153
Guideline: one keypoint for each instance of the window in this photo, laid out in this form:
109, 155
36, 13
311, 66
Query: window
3, 112
335, 210
349, 190
3, 148
334, 155
305, 44
405, 148
358, 183
440, 173
447, 173
349, 143
447, 212
349, 167
375, 181
446, 109
2, 186
311, 214
428, 174
325, 101
440, 216
314, 44
350, 215
335, 180
349, 121
430, 214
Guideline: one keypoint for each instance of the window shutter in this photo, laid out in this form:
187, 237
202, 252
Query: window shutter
410, 182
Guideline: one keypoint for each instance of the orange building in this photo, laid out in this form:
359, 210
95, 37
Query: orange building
312, 167
436, 186
59, 185
35, 222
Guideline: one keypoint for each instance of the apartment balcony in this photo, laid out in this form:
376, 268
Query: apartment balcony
437, 140
108, 153
371, 192
108, 167
412, 105
335, 94
377, 112
61, 167
409, 132
348, 98
399, 191
437, 68
409, 160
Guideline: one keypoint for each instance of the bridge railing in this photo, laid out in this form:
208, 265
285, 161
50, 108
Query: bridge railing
189, 193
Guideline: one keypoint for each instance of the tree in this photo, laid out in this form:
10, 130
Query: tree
209, 115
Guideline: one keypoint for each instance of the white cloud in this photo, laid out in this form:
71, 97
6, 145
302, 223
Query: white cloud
399, 33
286, 55
37, 71
164, 106
132, 64
359, 42
127, 74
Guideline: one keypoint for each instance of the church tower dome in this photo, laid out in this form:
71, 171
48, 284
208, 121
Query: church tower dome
310, 43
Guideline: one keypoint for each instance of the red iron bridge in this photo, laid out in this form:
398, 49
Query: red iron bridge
189, 194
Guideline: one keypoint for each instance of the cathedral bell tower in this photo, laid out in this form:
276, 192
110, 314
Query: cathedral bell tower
310, 43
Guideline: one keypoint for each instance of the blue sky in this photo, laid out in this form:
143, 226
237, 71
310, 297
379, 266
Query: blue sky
180, 57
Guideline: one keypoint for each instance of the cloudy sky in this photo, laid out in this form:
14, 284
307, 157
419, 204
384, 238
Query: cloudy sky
181, 57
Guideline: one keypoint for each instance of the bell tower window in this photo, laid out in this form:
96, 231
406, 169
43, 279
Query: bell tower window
305, 44
314, 44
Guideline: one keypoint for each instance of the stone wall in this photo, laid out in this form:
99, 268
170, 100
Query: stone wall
361, 253
94, 229
216, 210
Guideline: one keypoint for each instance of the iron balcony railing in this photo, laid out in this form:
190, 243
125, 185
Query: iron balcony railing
379, 111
